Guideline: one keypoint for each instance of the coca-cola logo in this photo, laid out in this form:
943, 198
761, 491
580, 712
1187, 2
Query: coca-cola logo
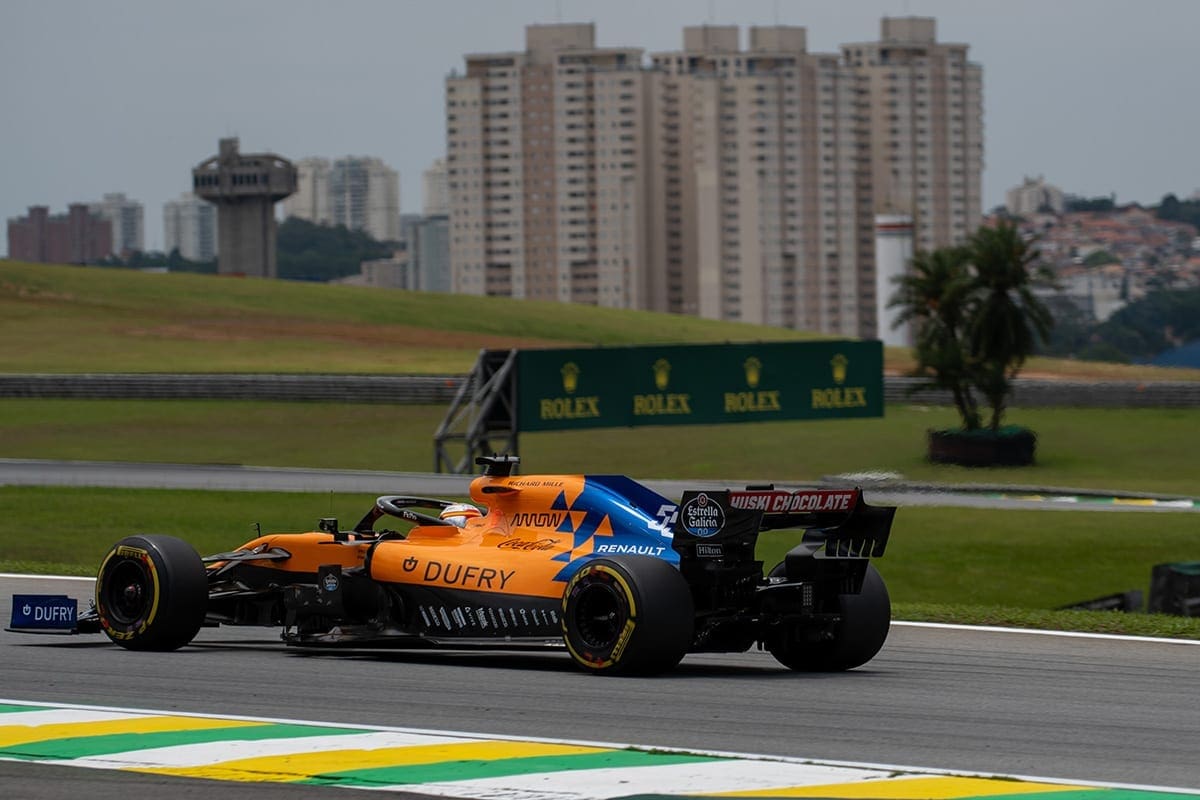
525, 544
702, 516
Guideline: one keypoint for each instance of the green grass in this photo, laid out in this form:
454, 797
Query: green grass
951, 565
1022, 559
79, 319
45, 529
88, 319
1161, 625
1151, 450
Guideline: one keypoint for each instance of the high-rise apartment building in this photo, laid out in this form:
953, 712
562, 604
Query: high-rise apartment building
925, 102
127, 218
429, 250
1034, 195
190, 226
721, 181
311, 199
546, 170
361, 193
364, 195
435, 192
762, 184
77, 237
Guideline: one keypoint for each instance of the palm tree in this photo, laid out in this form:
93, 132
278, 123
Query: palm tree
1005, 315
935, 296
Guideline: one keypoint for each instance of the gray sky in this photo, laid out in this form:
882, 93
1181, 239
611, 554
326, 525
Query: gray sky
1098, 96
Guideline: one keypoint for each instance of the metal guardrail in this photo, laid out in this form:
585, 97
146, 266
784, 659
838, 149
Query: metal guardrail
398, 389
439, 389
1036, 393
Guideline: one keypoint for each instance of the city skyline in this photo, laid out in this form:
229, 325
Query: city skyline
729, 180
1092, 95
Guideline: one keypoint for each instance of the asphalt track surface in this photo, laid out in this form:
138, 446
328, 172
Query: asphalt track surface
1018, 703
1012, 703
113, 474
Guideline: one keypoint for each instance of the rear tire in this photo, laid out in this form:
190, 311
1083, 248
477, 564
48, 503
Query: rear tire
627, 615
151, 593
866, 619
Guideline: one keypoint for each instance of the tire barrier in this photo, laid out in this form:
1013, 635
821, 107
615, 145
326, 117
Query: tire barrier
416, 389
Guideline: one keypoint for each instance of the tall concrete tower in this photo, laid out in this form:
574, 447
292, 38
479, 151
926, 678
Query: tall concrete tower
245, 189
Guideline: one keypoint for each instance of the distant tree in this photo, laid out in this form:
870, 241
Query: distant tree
1076, 203
1172, 209
1169, 208
309, 252
1099, 258
1006, 318
1157, 322
1073, 328
975, 316
934, 297
151, 259
1103, 351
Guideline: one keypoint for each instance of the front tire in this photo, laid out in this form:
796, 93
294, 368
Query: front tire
866, 620
627, 615
151, 593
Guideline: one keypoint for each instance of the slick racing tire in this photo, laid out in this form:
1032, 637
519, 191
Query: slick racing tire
627, 615
151, 593
866, 619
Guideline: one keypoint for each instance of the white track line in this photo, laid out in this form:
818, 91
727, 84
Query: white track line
1120, 637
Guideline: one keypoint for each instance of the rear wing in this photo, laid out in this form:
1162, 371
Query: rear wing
837, 523
840, 520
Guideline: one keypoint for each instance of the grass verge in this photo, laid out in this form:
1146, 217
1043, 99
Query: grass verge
1150, 450
86, 319
970, 566
1111, 622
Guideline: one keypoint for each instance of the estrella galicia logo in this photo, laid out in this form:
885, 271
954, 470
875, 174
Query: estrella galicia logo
330, 582
702, 516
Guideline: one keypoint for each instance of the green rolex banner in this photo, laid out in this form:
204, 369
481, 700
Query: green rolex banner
698, 384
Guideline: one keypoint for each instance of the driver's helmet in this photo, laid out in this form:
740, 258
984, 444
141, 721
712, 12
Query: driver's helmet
458, 513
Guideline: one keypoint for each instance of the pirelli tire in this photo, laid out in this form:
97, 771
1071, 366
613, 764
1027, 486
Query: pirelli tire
866, 618
627, 615
151, 593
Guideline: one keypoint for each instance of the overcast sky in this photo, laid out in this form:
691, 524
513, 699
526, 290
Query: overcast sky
1099, 96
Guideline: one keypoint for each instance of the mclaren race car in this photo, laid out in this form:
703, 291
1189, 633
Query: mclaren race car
626, 579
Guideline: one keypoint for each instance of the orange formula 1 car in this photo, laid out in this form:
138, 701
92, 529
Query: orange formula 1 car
628, 580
